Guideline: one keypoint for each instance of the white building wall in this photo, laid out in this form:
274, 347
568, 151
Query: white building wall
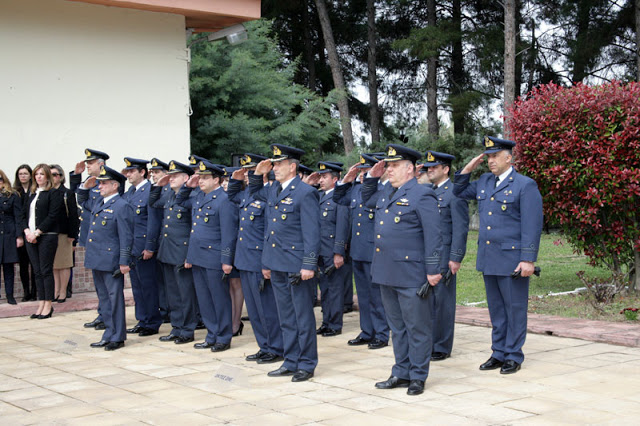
76, 75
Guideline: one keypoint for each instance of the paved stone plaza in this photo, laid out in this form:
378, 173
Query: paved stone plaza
49, 375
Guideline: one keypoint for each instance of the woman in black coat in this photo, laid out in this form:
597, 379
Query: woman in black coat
41, 224
10, 233
22, 186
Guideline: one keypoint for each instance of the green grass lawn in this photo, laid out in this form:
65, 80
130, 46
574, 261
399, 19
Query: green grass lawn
558, 262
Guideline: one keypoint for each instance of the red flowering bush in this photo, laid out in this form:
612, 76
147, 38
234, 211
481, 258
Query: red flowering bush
581, 144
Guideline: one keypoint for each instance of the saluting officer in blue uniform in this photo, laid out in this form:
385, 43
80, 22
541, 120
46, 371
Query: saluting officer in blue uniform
291, 246
374, 330
157, 170
109, 251
407, 255
172, 253
454, 227
510, 209
334, 235
211, 252
258, 292
143, 276
87, 199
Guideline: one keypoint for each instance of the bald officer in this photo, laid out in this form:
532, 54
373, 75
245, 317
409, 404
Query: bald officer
454, 227
109, 250
406, 256
290, 256
510, 209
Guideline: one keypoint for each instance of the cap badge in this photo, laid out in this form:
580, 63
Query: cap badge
154, 163
202, 167
430, 157
127, 162
488, 142
391, 152
103, 171
322, 167
276, 151
192, 160
362, 160
172, 165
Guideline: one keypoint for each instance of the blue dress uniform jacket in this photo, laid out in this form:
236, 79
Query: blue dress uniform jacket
10, 229
406, 234
292, 243
510, 220
510, 228
373, 321
109, 246
454, 226
144, 275
261, 305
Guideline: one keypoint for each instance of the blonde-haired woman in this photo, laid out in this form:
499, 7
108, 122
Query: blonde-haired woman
10, 233
41, 224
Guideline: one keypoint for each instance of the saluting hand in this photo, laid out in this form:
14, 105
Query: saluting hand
91, 182
193, 181
238, 174
79, 168
263, 167
351, 174
377, 170
473, 164
312, 179
418, 168
163, 180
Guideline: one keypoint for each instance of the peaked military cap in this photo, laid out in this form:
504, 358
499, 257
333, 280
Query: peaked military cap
107, 173
366, 161
329, 166
493, 144
92, 154
176, 167
158, 165
434, 158
249, 160
283, 152
134, 163
207, 168
304, 169
194, 160
395, 152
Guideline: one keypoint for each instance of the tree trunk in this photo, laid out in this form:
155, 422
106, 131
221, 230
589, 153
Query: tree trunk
432, 79
580, 56
374, 112
457, 67
509, 59
638, 57
635, 285
308, 47
336, 72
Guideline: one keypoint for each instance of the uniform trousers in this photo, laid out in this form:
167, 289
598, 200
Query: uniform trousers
410, 320
507, 299
444, 316
181, 297
373, 322
263, 313
111, 305
348, 284
162, 292
332, 294
214, 301
145, 293
42, 254
9, 278
297, 321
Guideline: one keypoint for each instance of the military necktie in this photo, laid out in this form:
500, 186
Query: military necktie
497, 181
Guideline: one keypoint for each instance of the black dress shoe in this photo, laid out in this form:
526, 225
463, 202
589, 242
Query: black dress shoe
92, 324
168, 338
358, 341
101, 326
134, 330
282, 371
219, 347
416, 387
509, 367
302, 376
112, 346
331, 332
100, 344
62, 300
203, 345
392, 383
11, 300
347, 309
46, 316
439, 356
144, 331
200, 326
491, 364
377, 344
244, 318
239, 330
34, 316
182, 340
269, 358
255, 357
322, 329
